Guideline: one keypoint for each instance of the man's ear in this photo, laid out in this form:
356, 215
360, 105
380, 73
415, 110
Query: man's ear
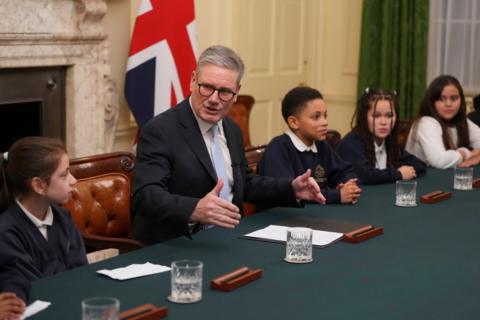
292, 122
192, 80
236, 93
38, 186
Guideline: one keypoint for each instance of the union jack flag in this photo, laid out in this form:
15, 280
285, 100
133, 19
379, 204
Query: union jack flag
162, 57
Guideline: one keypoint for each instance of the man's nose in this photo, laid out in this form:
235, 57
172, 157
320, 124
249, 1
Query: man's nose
214, 97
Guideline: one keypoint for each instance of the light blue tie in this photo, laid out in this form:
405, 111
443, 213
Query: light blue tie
219, 162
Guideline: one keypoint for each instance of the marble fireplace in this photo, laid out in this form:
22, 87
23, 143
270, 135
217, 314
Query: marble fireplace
65, 35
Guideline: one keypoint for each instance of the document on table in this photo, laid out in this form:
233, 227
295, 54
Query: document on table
34, 308
276, 233
134, 271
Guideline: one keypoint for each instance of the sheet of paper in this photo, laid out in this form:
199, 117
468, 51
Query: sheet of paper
35, 307
134, 271
279, 234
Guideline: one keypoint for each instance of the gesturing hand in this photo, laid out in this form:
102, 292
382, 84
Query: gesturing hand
211, 209
11, 307
306, 188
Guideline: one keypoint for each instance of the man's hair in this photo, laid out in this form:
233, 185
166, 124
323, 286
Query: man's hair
296, 100
476, 102
223, 57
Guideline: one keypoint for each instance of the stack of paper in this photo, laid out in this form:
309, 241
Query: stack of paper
34, 308
134, 271
279, 234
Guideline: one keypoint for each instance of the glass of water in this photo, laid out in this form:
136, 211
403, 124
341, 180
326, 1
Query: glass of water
406, 193
299, 245
186, 281
463, 178
100, 308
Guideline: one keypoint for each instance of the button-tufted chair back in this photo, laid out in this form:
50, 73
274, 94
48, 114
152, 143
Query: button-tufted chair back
100, 202
100, 205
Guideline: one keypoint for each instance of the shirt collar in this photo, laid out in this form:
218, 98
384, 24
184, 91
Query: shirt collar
379, 148
48, 221
298, 144
204, 125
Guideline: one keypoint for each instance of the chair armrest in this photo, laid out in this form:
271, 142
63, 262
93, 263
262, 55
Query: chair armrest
101, 242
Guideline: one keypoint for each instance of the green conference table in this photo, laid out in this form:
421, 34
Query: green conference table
425, 266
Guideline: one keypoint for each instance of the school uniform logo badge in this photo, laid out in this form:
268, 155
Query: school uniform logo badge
319, 174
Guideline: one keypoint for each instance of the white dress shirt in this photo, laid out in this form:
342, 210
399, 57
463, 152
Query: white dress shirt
207, 137
380, 155
40, 224
298, 143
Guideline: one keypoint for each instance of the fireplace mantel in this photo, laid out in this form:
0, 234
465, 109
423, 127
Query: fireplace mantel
69, 33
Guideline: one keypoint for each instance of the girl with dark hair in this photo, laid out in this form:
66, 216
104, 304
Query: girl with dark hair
372, 146
441, 134
36, 235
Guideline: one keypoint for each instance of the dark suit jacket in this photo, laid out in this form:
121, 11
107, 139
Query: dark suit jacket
173, 171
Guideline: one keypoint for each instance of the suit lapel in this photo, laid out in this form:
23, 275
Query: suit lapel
194, 138
234, 147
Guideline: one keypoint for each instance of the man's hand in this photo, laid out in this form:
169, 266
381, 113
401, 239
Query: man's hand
306, 188
212, 209
11, 307
349, 191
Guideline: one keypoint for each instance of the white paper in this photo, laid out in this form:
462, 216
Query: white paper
279, 234
34, 308
134, 271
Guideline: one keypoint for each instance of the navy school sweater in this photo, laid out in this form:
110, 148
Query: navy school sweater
353, 149
26, 255
281, 159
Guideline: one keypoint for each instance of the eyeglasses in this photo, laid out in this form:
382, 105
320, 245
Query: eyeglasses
207, 90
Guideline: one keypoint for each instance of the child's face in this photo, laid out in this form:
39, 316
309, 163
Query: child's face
311, 123
381, 120
449, 103
61, 182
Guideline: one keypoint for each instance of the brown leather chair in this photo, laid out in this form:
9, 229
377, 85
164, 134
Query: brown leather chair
253, 154
240, 113
100, 202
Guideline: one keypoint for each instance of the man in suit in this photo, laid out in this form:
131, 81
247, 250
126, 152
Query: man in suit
178, 187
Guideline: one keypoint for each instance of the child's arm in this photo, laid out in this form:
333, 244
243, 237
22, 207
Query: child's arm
408, 159
13, 276
276, 161
429, 136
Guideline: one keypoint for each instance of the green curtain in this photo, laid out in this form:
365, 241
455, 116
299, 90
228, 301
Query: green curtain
393, 50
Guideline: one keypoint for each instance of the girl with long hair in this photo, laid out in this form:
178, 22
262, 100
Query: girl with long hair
441, 134
372, 146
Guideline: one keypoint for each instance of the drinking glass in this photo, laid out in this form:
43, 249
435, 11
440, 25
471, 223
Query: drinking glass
299, 245
186, 281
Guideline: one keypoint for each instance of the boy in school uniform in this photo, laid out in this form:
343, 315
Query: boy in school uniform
303, 147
